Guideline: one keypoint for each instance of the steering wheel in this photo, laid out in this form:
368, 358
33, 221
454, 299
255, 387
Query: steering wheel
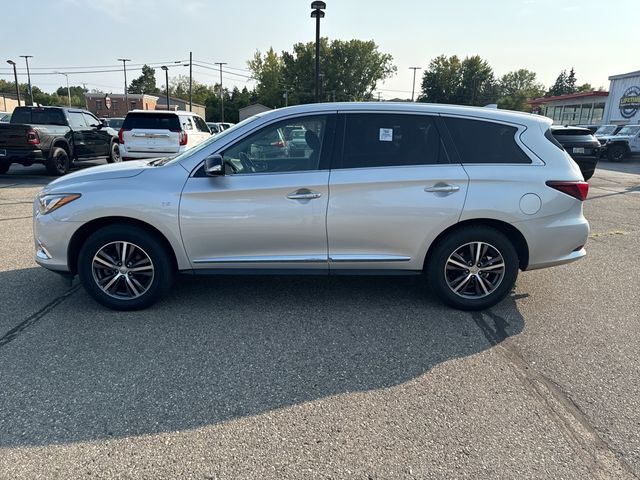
247, 163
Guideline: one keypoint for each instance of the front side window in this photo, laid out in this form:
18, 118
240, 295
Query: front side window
268, 151
76, 120
479, 141
90, 120
390, 140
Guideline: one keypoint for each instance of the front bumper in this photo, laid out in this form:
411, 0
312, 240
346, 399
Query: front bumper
51, 239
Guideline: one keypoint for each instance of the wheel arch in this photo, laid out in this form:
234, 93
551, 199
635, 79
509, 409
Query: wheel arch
62, 143
620, 143
514, 235
81, 235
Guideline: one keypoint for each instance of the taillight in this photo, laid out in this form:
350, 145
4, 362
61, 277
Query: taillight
577, 190
183, 138
120, 136
33, 138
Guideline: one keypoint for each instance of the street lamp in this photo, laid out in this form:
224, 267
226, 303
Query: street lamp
124, 68
166, 71
68, 90
414, 80
221, 92
15, 75
26, 59
318, 13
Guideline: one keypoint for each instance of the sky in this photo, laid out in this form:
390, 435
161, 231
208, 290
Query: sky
545, 36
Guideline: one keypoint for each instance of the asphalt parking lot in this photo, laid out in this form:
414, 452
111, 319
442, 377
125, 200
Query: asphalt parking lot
363, 378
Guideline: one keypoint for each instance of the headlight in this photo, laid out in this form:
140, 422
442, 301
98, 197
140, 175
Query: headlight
50, 202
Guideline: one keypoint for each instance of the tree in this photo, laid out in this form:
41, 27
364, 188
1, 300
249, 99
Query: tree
467, 82
77, 91
267, 69
571, 81
564, 84
349, 70
145, 83
518, 87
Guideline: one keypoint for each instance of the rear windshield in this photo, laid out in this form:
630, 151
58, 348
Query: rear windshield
629, 130
41, 116
151, 121
115, 122
571, 132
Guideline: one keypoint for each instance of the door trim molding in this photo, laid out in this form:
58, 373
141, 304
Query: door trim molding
366, 257
318, 258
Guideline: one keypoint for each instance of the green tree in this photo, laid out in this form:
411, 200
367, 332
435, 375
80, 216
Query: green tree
517, 88
467, 82
267, 69
564, 84
145, 83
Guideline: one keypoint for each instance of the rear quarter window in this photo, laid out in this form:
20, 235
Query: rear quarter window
479, 141
151, 121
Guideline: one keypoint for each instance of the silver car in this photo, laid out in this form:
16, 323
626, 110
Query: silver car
466, 196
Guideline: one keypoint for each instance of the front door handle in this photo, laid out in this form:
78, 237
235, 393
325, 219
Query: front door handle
442, 188
304, 194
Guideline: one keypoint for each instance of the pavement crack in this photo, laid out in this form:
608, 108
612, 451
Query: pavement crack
601, 459
33, 319
14, 218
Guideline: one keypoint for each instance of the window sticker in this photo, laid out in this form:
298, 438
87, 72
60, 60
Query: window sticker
386, 134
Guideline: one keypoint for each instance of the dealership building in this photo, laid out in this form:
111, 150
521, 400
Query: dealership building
623, 104
619, 106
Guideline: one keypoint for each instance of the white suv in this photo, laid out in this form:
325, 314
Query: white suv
156, 133
467, 196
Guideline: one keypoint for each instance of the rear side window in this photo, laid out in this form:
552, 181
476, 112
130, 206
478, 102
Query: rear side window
389, 140
43, 116
478, 141
152, 121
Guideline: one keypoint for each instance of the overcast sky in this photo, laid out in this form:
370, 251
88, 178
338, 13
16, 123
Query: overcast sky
545, 36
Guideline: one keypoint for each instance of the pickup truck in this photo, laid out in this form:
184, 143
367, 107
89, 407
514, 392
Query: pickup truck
623, 144
55, 137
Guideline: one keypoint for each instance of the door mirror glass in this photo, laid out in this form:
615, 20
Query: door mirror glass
214, 166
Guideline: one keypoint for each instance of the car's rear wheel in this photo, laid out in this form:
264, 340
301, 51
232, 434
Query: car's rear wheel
125, 268
616, 153
473, 268
58, 162
114, 153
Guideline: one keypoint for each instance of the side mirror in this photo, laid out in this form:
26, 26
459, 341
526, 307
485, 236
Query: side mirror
214, 165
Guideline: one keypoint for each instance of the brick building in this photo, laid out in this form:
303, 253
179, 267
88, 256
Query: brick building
96, 103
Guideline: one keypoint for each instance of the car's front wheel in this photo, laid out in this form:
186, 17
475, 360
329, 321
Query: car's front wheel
473, 268
125, 268
616, 153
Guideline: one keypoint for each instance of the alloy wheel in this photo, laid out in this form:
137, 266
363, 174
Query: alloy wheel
123, 270
474, 270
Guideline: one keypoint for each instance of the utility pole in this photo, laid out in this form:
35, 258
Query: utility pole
190, 81
126, 93
26, 59
15, 75
221, 92
414, 80
166, 72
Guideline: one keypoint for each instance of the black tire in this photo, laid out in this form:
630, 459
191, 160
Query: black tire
114, 153
616, 153
443, 276
4, 168
120, 295
58, 162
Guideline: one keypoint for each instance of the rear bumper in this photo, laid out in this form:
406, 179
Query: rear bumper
139, 154
22, 156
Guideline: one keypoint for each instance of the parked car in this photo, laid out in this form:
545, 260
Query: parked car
297, 142
215, 127
581, 145
466, 196
624, 144
226, 125
607, 130
156, 133
592, 128
115, 122
55, 137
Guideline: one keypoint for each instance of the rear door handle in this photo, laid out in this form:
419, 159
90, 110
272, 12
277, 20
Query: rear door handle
442, 188
304, 194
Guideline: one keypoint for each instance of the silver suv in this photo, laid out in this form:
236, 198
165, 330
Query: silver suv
467, 196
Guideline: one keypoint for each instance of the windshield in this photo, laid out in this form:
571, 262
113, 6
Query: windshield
629, 130
606, 130
186, 154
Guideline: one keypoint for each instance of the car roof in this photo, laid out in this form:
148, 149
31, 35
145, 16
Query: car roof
413, 107
177, 112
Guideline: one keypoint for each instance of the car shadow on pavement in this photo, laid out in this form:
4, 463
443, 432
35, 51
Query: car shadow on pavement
223, 348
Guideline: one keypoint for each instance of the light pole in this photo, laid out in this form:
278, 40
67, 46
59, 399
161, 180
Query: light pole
221, 92
15, 75
26, 59
68, 90
124, 68
414, 80
318, 13
166, 72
